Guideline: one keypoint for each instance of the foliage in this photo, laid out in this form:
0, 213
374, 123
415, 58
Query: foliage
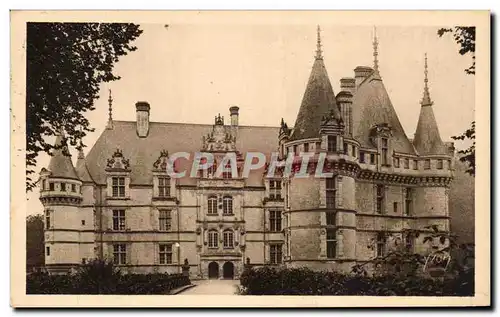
35, 256
468, 155
465, 36
102, 277
66, 63
269, 280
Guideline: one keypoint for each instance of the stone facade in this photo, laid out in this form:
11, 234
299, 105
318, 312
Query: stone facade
120, 204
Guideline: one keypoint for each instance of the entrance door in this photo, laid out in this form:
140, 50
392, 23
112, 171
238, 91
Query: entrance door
213, 270
228, 270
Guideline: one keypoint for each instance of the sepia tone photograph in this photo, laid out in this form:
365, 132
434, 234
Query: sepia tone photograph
283, 154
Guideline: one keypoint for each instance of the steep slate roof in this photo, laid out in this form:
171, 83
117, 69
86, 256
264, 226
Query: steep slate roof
81, 168
427, 139
173, 137
372, 105
60, 165
318, 99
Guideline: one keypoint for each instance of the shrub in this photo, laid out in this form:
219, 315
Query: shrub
101, 277
303, 281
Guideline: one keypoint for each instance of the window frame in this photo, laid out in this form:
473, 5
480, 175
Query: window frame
164, 220
47, 250
440, 164
331, 143
380, 244
331, 243
380, 199
63, 186
275, 220
165, 256
119, 220
212, 205
227, 205
119, 254
306, 147
276, 253
213, 239
385, 151
52, 186
48, 222
118, 186
163, 186
331, 192
362, 157
275, 189
408, 201
427, 164
228, 239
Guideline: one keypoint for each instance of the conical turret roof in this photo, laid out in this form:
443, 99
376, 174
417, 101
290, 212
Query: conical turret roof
319, 100
427, 139
60, 165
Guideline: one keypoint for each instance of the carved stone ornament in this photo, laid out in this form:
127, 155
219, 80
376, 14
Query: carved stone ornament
242, 232
331, 119
219, 139
381, 130
118, 161
198, 230
161, 162
323, 232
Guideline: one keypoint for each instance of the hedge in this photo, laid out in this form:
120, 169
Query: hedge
126, 284
303, 281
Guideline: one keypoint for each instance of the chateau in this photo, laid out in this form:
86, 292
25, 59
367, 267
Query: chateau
120, 203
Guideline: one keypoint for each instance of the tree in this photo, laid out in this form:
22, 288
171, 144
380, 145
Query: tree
465, 36
66, 63
468, 155
35, 256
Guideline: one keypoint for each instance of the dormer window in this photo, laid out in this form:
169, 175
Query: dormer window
361, 157
372, 159
51, 186
163, 186
275, 189
118, 186
63, 187
73, 188
407, 163
332, 143
226, 174
346, 148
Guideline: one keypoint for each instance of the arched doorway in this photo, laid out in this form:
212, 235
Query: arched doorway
228, 270
213, 270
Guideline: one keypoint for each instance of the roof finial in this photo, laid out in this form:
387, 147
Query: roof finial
318, 45
426, 99
375, 50
110, 118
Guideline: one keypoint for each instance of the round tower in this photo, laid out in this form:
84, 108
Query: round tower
321, 217
60, 194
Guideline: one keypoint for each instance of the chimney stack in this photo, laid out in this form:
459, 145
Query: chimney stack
234, 115
348, 84
360, 73
142, 110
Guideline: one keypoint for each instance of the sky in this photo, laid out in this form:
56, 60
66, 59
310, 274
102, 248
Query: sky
190, 73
